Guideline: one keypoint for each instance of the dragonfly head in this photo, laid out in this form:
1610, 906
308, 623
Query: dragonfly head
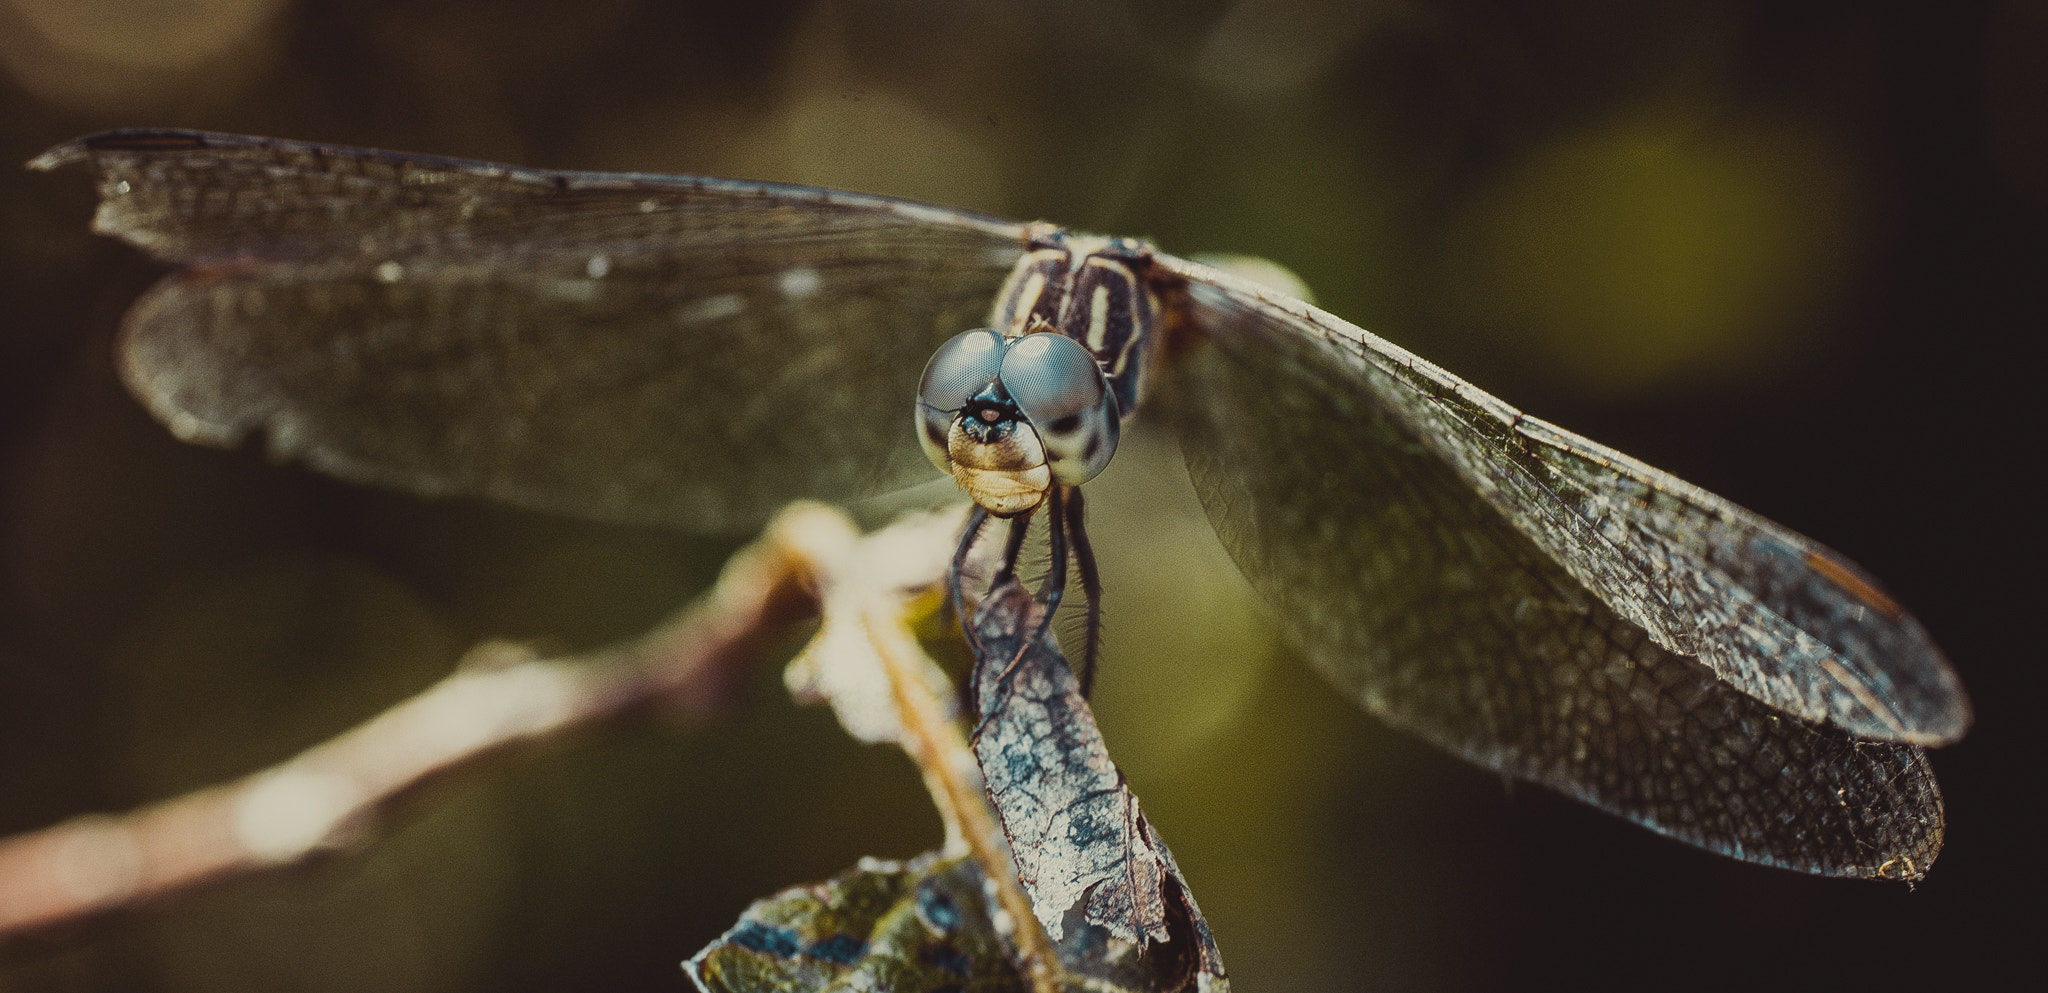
1010, 418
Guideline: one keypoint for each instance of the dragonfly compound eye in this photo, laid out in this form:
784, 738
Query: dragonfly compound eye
962, 367
1063, 394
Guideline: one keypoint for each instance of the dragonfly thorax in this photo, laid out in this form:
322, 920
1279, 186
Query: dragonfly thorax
1092, 290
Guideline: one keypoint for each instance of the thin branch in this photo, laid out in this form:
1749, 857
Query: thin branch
865, 661
501, 696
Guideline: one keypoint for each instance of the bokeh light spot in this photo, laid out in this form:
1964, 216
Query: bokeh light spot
1656, 252
125, 54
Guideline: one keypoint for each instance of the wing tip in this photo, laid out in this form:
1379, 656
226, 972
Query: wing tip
1930, 711
1942, 725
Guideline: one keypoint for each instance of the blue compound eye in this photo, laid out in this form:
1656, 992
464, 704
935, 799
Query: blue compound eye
961, 368
1062, 392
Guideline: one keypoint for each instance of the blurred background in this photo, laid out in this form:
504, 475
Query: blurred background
1789, 251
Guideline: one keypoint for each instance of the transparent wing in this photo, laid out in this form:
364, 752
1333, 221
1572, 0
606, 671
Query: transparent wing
1491, 584
1791, 618
691, 352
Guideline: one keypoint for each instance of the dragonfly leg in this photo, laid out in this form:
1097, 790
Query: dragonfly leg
975, 522
1091, 587
1012, 550
1006, 568
1056, 578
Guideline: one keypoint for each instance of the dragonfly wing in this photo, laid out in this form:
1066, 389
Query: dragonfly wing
689, 352
1383, 509
1879, 675
1777, 615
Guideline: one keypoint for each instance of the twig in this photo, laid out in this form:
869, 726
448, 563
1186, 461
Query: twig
869, 593
501, 696
865, 662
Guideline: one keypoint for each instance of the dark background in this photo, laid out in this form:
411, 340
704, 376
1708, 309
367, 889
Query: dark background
1790, 251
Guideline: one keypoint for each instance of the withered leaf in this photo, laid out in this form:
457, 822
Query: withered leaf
915, 927
1100, 879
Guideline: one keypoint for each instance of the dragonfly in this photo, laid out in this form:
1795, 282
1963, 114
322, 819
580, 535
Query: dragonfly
694, 352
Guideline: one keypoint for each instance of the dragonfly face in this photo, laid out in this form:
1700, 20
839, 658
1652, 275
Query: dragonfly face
1009, 418
589, 343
